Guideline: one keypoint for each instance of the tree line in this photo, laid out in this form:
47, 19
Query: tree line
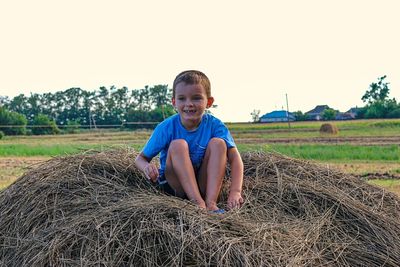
121, 107
76, 107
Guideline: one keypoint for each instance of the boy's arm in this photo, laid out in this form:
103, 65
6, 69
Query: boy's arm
149, 169
235, 199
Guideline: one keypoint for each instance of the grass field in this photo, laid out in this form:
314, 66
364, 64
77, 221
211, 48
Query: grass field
370, 146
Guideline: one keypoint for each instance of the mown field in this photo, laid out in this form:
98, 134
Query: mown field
366, 148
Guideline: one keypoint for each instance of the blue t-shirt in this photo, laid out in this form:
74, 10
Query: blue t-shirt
172, 129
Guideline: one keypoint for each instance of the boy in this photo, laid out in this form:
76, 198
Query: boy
195, 147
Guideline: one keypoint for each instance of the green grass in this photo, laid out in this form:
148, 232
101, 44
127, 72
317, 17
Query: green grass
334, 153
387, 124
354, 128
41, 150
304, 151
389, 184
351, 124
385, 182
340, 152
367, 132
49, 150
256, 132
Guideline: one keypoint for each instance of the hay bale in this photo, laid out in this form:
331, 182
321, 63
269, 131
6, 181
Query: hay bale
328, 128
97, 209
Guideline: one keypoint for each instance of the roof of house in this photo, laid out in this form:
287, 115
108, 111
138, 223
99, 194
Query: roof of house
276, 114
318, 109
354, 110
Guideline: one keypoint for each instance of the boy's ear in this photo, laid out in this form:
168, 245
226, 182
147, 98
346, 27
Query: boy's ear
210, 101
173, 101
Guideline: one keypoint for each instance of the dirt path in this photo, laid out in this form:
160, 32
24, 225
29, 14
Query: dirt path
22, 162
13, 167
381, 170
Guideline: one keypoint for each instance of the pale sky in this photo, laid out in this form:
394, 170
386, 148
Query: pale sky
254, 52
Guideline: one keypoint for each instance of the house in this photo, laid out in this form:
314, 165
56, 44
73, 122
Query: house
351, 114
277, 116
316, 113
345, 116
354, 111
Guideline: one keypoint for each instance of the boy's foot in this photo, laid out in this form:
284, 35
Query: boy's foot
218, 211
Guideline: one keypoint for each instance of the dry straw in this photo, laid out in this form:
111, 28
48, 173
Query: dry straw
328, 128
96, 209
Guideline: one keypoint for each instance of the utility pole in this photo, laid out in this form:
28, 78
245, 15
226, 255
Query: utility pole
90, 119
287, 111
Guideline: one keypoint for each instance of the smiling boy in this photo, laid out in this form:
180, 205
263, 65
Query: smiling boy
194, 148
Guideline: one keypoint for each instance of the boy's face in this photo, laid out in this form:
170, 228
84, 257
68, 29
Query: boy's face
191, 101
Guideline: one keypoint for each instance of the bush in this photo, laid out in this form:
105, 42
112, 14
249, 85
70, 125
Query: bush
12, 123
394, 113
72, 126
380, 109
156, 115
43, 125
1, 134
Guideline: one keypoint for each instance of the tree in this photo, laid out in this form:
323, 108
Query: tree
137, 116
329, 114
18, 104
300, 116
4, 100
105, 106
34, 106
118, 104
394, 113
161, 97
377, 91
160, 113
378, 103
255, 115
145, 100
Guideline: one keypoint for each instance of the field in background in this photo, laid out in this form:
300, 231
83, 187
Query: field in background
367, 148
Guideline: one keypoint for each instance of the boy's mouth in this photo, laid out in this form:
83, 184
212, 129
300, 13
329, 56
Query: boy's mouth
189, 111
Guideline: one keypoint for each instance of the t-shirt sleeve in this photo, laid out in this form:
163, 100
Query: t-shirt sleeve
157, 141
221, 131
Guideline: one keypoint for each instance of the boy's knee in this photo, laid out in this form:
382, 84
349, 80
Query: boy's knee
217, 143
178, 146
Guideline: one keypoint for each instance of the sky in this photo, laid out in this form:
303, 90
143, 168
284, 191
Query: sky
254, 52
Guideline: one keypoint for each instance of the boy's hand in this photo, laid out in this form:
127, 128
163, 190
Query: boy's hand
235, 200
151, 172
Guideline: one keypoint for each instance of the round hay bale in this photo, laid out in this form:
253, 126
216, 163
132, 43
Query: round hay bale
328, 128
97, 209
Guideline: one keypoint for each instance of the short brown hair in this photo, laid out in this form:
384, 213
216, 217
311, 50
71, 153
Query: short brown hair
192, 77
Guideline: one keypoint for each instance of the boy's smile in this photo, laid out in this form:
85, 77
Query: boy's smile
191, 101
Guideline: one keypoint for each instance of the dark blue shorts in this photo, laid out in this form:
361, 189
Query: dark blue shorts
166, 188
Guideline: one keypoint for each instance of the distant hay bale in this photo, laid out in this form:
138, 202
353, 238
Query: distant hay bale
97, 209
328, 128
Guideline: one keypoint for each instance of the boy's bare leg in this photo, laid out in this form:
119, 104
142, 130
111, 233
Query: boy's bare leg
180, 174
212, 172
